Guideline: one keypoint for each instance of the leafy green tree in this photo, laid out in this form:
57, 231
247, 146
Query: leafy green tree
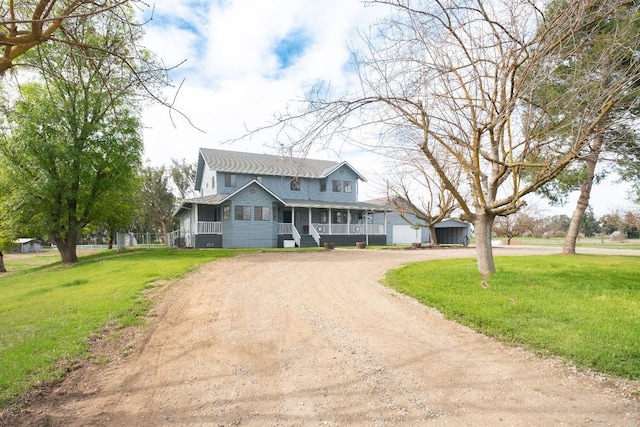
590, 225
158, 200
74, 138
613, 137
183, 175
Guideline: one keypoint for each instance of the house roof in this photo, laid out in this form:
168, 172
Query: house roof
267, 164
219, 199
24, 240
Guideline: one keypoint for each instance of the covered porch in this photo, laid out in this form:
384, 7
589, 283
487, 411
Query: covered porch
313, 224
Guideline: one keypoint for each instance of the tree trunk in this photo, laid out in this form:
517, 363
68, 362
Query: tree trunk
484, 252
432, 235
67, 247
111, 238
583, 201
2, 269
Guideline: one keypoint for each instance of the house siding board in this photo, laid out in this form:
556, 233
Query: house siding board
207, 241
281, 187
343, 173
252, 233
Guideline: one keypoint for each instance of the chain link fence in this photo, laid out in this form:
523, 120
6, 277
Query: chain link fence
148, 240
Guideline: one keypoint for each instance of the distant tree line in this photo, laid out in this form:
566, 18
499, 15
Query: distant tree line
524, 224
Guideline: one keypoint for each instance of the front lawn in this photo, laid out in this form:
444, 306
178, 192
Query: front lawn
585, 309
48, 313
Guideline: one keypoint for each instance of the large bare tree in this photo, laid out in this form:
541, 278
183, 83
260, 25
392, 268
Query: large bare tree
462, 75
414, 190
25, 24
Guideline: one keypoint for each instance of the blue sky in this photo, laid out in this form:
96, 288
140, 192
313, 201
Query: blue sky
245, 60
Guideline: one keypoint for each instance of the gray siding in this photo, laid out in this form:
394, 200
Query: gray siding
309, 188
250, 233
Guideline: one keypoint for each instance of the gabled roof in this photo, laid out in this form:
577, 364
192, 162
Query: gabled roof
218, 199
267, 164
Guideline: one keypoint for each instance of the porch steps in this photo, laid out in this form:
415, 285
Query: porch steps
306, 241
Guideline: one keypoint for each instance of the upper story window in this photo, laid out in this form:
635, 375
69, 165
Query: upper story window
213, 182
339, 186
323, 185
295, 184
229, 180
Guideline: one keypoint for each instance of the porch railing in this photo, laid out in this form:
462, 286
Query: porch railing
209, 227
370, 229
314, 233
317, 230
296, 236
284, 228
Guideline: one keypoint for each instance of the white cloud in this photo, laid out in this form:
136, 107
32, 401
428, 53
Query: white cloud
232, 77
233, 80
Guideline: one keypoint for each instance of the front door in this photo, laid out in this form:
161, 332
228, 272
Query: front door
286, 216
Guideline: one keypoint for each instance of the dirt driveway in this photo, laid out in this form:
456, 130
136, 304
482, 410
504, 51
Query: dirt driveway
312, 338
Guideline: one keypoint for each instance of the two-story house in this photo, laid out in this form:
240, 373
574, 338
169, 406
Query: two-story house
260, 200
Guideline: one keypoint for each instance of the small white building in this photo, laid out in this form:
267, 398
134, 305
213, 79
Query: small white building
28, 244
400, 231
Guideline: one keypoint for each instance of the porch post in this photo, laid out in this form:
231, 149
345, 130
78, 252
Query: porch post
309, 220
196, 215
385, 227
293, 216
366, 226
330, 219
348, 221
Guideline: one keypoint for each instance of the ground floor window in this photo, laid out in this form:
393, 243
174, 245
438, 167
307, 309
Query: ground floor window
261, 213
243, 213
226, 212
339, 217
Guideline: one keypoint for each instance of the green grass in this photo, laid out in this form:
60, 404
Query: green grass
584, 309
48, 313
13, 263
584, 242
